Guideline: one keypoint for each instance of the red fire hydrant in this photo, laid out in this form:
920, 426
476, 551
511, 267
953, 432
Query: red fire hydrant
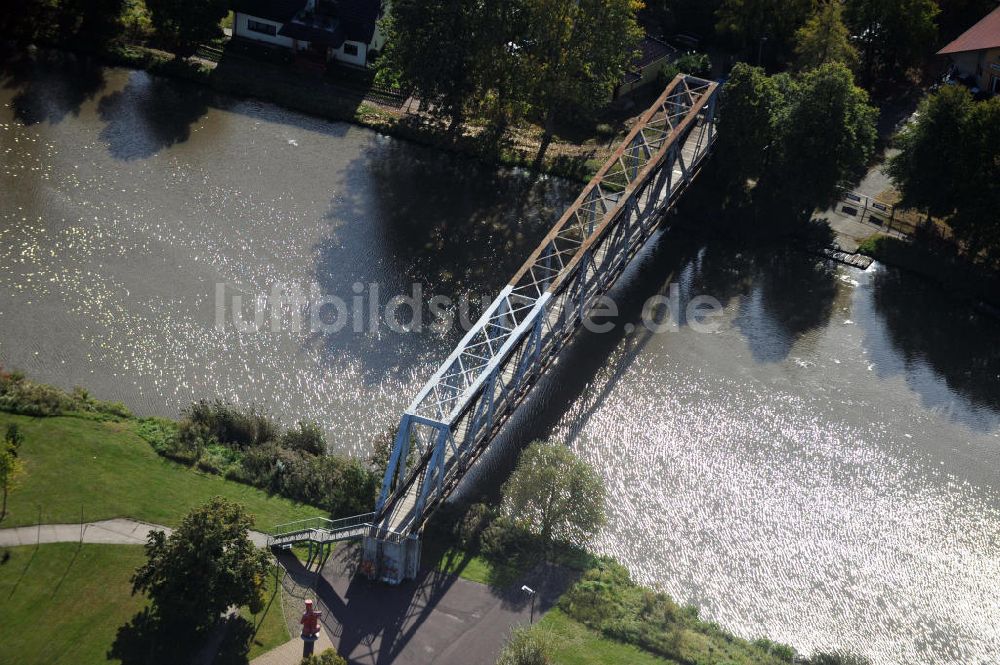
310, 628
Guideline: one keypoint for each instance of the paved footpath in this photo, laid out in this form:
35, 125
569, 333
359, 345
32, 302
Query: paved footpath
118, 531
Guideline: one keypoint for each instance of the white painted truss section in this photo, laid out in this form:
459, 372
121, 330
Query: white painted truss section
473, 393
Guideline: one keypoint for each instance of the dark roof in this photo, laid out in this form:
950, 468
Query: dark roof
328, 32
358, 17
983, 35
652, 50
273, 10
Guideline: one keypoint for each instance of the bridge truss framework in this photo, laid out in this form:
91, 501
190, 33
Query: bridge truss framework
474, 392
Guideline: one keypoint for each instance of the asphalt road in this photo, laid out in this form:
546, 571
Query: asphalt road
437, 619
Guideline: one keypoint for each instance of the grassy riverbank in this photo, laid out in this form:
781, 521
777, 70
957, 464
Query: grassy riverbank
78, 468
604, 616
65, 603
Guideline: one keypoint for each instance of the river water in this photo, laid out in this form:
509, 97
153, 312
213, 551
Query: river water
821, 469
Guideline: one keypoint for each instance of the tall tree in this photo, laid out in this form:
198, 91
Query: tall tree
572, 53
431, 48
894, 35
11, 468
762, 29
827, 137
184, 24
930, 165
555, 494
748, 122
206, 565
824, 38
977, 220
949, 166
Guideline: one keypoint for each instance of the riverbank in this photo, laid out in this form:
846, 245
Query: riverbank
246, 71
240, 444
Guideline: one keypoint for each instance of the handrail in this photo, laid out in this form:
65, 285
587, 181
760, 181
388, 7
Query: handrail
324, 523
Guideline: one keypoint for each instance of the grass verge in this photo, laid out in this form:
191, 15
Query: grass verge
78, 468
270, 628
64, 603
575, 644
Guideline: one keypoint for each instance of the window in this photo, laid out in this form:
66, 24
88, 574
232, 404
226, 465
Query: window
350, 49
263, 28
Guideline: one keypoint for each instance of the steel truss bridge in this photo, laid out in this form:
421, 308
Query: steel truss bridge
464, 405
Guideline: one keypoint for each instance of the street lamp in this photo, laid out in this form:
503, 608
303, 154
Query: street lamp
531, 592
760, 49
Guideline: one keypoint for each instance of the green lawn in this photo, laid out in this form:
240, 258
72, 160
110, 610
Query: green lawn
459, 562
79, 467
271, 629
575, 644
64, 603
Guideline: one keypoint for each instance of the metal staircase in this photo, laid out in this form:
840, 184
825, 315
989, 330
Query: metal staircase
321, 531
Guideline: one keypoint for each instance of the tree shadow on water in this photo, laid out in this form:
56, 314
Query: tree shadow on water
50, 85
150, 114
929, 330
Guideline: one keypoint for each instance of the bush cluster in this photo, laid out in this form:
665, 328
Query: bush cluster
606, 599
19, 395
249, 446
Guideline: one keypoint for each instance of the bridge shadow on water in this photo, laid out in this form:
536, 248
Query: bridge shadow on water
776, 297
410, 216
437, 618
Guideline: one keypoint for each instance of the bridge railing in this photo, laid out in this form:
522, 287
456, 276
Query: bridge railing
477, 388
312, 524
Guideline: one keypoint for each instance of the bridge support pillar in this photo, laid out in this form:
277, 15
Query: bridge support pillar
391, 559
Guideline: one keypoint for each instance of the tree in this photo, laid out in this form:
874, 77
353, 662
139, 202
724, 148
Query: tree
184, 24
205, 566
11, 469
929, 166
762, 27
748, 122
571, 54
894, 34
13, 437
442, 78
828, 136
824, 38
977, 220
948, 166
526, 646
555, 495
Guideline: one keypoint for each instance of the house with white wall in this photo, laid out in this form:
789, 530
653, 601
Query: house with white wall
343, 31
975, 54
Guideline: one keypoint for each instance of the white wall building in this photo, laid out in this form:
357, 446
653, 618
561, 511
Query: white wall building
343, 31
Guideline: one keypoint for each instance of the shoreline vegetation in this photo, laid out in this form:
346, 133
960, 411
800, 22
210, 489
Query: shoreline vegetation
238, 444
248, 71
95, 459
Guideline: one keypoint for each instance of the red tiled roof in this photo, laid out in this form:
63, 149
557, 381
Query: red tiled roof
983, 35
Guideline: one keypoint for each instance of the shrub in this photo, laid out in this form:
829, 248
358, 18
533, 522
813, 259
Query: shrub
604, 130
526, 646
328, 657
229, 424
19, 395
469, 529
160, 433
306, 437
